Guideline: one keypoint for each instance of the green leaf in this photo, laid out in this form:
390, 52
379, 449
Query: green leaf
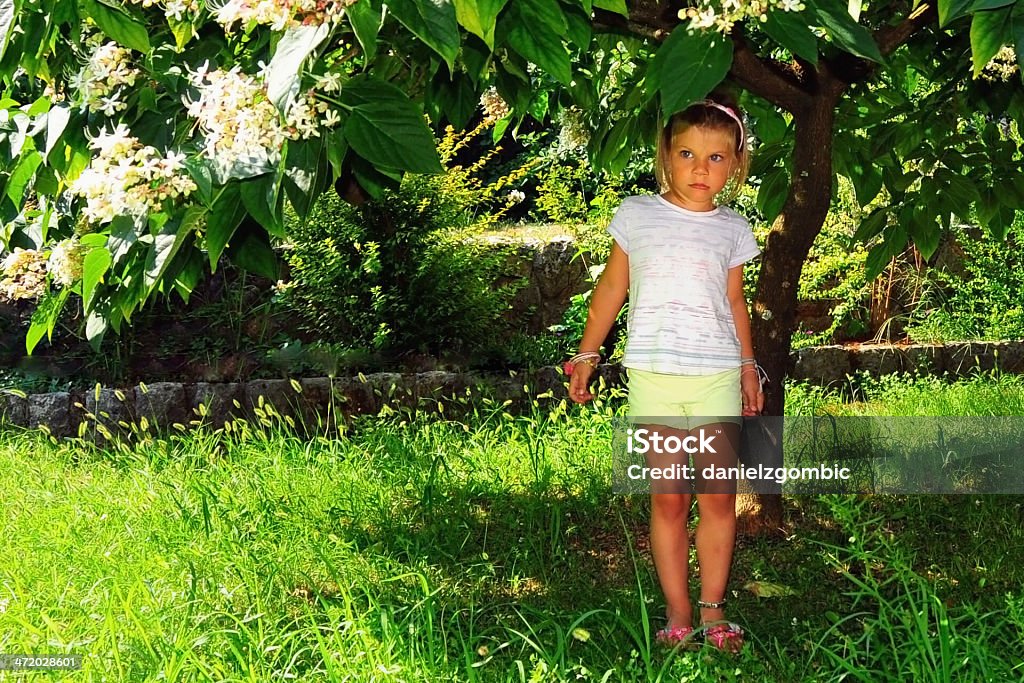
432, 21
260, 198
1017, 31
7, 12
94, 266
952, 9
878, 258
499, 129
22, 174
847, 33
182, 32
961, 192
186, 279
366, 17
534, 29
790, 30
989, 32
617, 6
618, 146
94, 239
375, 180
454, 98
118, 25
771, 197
168, 241
225, 215
982, 5
251, 250
95, 328
386, 128
925, 232
871, 226
56, 121
123, 236
687, 66
285, 69
305, 174
579, 29
202, 177
337, 148
479, 17
45, 317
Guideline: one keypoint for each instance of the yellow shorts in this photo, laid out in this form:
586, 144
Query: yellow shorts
684, 401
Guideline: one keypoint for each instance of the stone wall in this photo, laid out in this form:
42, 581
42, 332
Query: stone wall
319, 401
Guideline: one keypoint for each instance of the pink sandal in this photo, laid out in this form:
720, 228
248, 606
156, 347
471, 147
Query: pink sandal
675, 636
723, 635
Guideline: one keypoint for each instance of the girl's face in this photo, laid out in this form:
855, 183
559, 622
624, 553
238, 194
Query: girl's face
701, 160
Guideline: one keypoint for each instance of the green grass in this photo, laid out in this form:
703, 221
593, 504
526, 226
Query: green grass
488, 548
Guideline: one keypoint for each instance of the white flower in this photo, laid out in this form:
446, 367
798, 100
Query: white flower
494, 106
329, 82
65, 262
100, 81
331, 119
127, 179
24, 274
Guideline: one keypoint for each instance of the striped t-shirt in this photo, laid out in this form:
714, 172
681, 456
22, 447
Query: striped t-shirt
680, 321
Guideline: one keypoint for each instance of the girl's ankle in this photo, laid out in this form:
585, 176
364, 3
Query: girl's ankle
678, 618
709, 615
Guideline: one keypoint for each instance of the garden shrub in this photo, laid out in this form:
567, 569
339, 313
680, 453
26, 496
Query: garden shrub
397, 274
979, 294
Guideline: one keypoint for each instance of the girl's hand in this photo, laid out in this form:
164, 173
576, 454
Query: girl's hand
579, 383
750, 390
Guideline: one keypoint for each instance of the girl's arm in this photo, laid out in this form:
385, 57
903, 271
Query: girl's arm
605, 304
753, 399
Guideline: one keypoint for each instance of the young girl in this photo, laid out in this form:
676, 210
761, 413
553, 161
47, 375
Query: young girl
689, 355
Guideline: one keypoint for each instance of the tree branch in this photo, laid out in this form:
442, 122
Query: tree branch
851, 69
779, 84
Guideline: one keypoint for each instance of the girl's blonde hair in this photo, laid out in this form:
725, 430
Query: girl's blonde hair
705, 114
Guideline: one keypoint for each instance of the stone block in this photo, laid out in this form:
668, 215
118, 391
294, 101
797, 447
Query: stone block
52, 410
278, 393
219, 400
109, 407
966, 358
13, 409
162, 404
822, 365
880, 360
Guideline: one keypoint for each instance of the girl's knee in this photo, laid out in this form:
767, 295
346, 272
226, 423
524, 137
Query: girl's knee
717, 505
670, 506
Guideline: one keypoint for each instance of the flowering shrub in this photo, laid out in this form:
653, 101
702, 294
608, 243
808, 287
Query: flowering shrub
129, 179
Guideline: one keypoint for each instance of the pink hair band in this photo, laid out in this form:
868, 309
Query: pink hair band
732, 115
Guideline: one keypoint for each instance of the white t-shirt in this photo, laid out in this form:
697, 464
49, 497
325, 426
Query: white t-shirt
680, 320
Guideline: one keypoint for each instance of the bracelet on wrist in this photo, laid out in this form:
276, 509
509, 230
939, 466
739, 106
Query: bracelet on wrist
591, 358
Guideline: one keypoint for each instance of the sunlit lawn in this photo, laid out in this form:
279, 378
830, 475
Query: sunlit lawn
485, 548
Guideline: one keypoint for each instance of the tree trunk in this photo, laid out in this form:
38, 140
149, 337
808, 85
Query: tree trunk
774, 307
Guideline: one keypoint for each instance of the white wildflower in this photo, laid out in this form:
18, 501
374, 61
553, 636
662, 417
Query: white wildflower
99, 83
65, 262
241, 125
127, 179
1001, 67
23, 274
278, 14
494, 106
722, 15
329, 82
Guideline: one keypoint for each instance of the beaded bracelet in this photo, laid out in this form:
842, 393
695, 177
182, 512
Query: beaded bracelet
585, 358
